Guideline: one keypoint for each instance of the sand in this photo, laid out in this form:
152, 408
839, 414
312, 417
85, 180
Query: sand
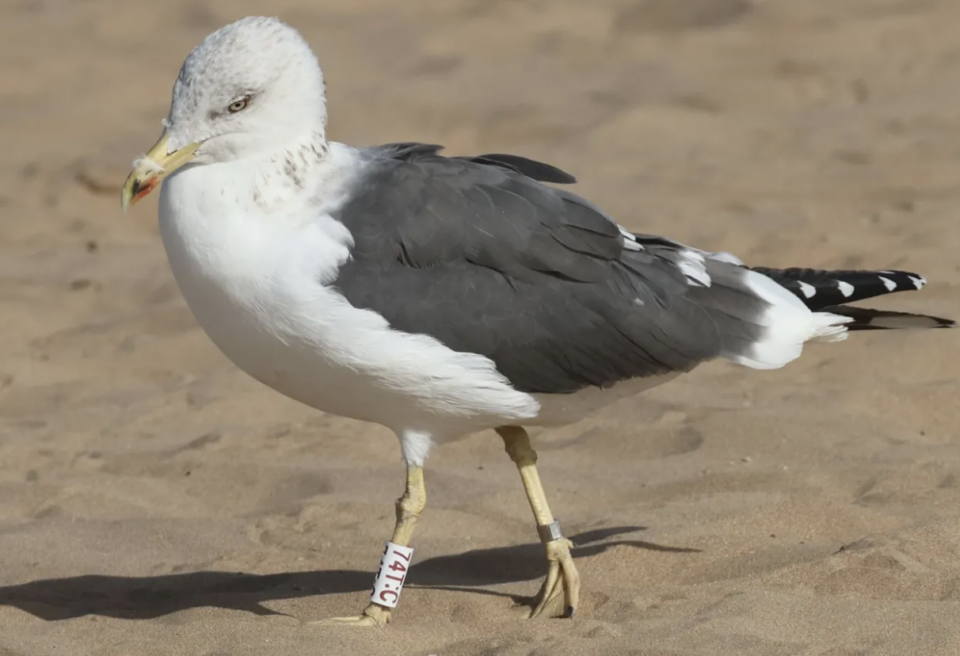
154, 500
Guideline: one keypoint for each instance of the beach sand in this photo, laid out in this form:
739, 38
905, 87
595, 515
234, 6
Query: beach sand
156, 501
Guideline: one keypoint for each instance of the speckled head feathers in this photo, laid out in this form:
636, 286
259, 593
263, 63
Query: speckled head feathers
249, 86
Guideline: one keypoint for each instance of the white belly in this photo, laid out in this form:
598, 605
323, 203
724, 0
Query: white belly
334, 363
260, 288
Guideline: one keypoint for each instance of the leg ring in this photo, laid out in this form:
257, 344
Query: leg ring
549, 532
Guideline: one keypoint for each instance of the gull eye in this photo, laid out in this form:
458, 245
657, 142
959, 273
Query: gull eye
238, 105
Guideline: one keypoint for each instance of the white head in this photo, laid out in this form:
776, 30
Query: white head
250, 89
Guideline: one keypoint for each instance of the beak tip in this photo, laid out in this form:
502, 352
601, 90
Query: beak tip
149, 170
128, 192
135, 188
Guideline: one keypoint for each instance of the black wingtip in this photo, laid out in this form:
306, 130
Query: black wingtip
870, 319
818, 288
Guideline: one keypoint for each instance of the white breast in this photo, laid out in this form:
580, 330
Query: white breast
259, 283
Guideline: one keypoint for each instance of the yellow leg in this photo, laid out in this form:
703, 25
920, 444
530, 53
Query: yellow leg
560, 593
409, 507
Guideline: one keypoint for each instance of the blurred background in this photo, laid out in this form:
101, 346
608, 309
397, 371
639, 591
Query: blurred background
154, 500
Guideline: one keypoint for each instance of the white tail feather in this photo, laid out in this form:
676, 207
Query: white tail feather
788, 325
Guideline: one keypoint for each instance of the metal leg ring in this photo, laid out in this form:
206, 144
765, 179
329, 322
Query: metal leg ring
549, 532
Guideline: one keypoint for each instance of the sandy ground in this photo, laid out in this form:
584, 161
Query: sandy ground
154, 500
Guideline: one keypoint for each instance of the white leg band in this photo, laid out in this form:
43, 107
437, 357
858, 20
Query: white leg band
391, 575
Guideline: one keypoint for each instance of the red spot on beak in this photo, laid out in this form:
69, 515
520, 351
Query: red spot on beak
142, 189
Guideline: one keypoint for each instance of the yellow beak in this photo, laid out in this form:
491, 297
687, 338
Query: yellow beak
150, 170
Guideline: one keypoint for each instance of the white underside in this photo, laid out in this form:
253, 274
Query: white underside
253, 279
254, 274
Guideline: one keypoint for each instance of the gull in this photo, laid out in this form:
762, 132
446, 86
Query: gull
440, 296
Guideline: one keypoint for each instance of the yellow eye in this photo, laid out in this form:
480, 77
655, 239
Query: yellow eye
238, 105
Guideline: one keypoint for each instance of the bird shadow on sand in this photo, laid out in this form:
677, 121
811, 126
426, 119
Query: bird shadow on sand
155, 596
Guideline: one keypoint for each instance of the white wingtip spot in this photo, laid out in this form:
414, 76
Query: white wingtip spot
845, 288
889, 284
918, 282
807, 289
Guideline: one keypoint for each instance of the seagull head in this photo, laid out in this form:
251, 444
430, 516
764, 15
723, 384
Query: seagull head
248, 90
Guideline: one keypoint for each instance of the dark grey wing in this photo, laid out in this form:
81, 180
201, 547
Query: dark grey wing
534, 170
540, 171
485, 259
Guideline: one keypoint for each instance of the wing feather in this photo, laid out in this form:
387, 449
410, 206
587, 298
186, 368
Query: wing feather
477, 253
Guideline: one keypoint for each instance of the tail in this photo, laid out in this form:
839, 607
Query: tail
827, 291
764, 316
762, 325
